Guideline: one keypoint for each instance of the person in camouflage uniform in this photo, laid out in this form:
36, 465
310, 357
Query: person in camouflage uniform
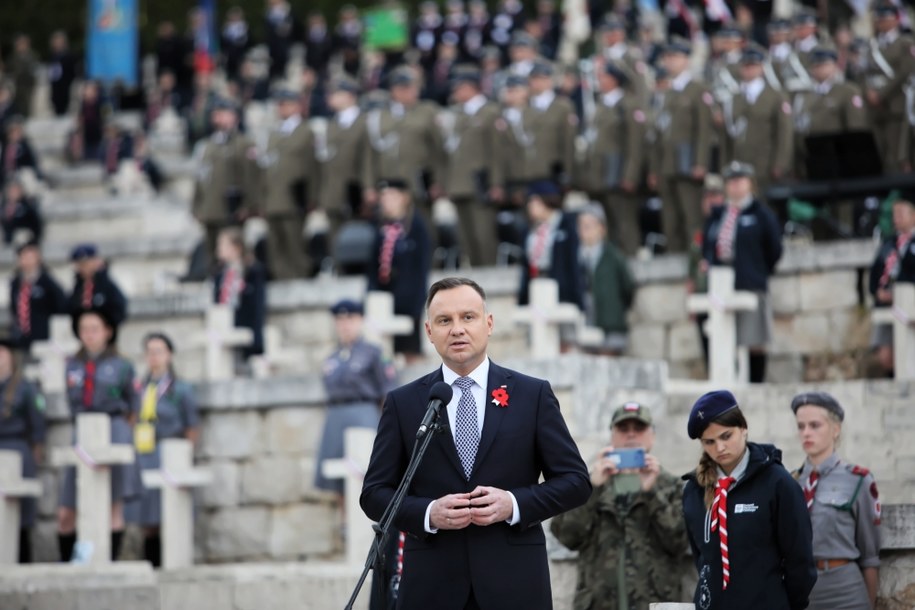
630, 535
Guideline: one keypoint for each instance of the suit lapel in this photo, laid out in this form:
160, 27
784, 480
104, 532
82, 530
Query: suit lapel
493, 414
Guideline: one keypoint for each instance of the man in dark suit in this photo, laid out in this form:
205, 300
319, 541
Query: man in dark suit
472, 515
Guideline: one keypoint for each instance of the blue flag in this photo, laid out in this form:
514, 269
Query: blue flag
111, 52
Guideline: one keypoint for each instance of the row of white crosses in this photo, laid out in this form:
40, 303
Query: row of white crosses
901, 315
92, 456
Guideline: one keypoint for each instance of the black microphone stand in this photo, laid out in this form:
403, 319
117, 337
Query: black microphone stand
375, 559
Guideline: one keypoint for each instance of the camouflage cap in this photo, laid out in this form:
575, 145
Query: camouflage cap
631, 410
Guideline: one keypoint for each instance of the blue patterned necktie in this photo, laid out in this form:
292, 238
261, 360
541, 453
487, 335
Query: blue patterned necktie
466, 432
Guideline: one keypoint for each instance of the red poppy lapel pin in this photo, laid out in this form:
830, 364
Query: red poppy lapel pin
500, 397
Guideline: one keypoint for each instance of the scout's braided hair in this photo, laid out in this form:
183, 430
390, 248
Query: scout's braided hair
707, 470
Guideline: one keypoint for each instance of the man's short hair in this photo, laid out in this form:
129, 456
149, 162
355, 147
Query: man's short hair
449, 283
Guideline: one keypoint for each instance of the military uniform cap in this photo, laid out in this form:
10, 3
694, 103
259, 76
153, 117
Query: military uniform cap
596, 211
521, 39
347, 84
465, 74
678, 46
707, 409
401, 76
822, 55
612, 23
541, 68
885, 9
225, 103
818, 399
729, 32
285, 95
617, 72
779, 25
491, 52
738, 169
752, 55
393, 183
805, 18
515, 80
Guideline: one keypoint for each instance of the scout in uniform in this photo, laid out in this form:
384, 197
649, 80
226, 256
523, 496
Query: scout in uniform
895, 262
630, 534
227, 175
22, 429
844, 509
616, 154
289, 171
745, 235
406, 141
241, 283
99, 380
35, 296
891, 63
759, 125
552, 126
473, 179
167, 410
745, 516
683, 148
94, 288
343, 153
356, 379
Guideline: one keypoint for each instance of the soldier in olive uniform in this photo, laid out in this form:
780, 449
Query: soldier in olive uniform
784, 61
760, 128
891, 63
616, 49
630, 535
406, 142
616, 154
473, 179
832, 107
805, 36
723, 70
227, 175
290, 170
844, 510
684, 133
514, 140
552, 125
343, 155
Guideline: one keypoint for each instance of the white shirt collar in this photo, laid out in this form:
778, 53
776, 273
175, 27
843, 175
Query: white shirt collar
617, 51
480, 375
753, 88
888, 38
472, 105
781, 50
680, 82
290, 124
543, 100
347, 117
740, 469
612, 98
398, 110
807, 44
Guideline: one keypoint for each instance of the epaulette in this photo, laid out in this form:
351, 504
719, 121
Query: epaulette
861, 471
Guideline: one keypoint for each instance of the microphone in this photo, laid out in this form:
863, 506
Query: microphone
439, 395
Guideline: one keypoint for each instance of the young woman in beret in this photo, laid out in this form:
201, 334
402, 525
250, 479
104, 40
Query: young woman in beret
745, 517
844, 509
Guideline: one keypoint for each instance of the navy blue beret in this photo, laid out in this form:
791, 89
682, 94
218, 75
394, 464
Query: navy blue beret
83, 251
346, 306
543, 188
707, 409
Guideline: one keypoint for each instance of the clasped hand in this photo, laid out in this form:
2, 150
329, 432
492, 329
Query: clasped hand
482, 506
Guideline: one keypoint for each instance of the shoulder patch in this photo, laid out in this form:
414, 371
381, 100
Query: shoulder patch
876, 498
638, 116
786, 107
573, 120
861, 471
856, 101
251, 153
707, 98
501, 125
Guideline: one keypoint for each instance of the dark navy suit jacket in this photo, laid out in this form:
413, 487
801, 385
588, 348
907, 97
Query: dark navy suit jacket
505, 566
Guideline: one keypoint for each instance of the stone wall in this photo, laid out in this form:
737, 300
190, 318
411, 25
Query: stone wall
260, 439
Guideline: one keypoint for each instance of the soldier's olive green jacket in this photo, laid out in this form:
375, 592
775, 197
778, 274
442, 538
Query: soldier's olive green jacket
227, 171
650, 534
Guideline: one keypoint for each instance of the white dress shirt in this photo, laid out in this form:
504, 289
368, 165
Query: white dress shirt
542, 101
612, 98
474, 104
346, 118
753, 88
681, 81
289, 125
480, 376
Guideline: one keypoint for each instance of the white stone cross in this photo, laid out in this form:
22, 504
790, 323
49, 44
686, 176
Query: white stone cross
544, 316
382, 324
12, 488
92, 455
902, 316
722, 304
52, 355
357, 443
275, 355
176, 478
129, 180
220, 338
